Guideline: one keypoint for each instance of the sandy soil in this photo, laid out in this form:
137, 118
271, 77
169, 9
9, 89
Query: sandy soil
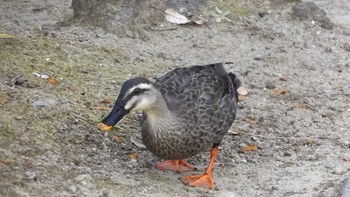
50, 145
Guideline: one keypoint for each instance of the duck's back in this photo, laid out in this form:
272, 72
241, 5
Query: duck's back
204, 98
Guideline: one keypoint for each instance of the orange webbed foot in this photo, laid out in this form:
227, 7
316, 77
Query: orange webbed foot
199, 180
175, 165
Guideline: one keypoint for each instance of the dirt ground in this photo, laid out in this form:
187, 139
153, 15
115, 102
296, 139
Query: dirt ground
297, 111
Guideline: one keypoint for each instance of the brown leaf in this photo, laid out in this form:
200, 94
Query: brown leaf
6, 161
3, 98
338, 86
106, 101
133, 156
297, 105
251, 147
118, 139
283, 78
52, 81
278, 91
101, 108
309, 142
250, 121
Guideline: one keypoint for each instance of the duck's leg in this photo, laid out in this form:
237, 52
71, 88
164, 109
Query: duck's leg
203, 180
175, 165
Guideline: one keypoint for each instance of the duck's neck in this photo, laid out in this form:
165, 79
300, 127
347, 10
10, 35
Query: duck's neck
158, 115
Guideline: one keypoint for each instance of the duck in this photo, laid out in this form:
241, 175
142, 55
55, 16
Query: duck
185, 112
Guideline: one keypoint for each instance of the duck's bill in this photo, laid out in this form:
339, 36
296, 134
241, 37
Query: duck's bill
117, 113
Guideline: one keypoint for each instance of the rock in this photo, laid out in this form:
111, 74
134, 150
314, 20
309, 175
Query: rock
38, 104
73, 188
345, 192
259, 57
338, 170
270, 85
346, 32
287, 154
242, 91
30, 175
309, 10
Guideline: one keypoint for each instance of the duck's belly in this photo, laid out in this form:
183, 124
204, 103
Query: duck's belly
176, 146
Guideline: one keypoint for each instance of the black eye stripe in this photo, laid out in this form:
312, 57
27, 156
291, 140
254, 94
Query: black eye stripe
138, 91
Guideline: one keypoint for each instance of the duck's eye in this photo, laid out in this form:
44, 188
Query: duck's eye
137, 91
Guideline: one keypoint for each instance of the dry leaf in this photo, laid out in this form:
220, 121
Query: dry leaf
52, 81
6, 161
241, 98
283, 78
346, 159
118, 139
297, 105
4, 36
3, 98
242, 91
106, 101
173, 16
309, 142
251, 147
338, 86
278, 91
104, 127
250, 121
133, 155
101, 108
137, 142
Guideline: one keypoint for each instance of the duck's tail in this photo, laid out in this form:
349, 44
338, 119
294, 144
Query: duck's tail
236, 84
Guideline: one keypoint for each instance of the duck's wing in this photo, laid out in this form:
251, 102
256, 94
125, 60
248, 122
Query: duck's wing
197, 87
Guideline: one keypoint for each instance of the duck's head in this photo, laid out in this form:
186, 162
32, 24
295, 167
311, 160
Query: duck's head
136, 94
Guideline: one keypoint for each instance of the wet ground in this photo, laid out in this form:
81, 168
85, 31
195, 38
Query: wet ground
297, 111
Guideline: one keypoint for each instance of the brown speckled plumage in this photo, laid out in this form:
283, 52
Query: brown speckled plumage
188, 110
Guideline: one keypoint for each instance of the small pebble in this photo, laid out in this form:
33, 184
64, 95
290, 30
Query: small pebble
287, 154
270, 85
338, 170
38, 104
72, 188
259, 57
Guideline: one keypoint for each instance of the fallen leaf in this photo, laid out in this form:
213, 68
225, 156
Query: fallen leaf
133, 155
101, 108
338, 86
6, 161
173, 16
251, 147
106, 101
309, 142
250, 121
137, 142
278, 91
283, 78
297, 105
242, 91
241, 98
346, 159
104, 127
118, 139
5, 36
52, 81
